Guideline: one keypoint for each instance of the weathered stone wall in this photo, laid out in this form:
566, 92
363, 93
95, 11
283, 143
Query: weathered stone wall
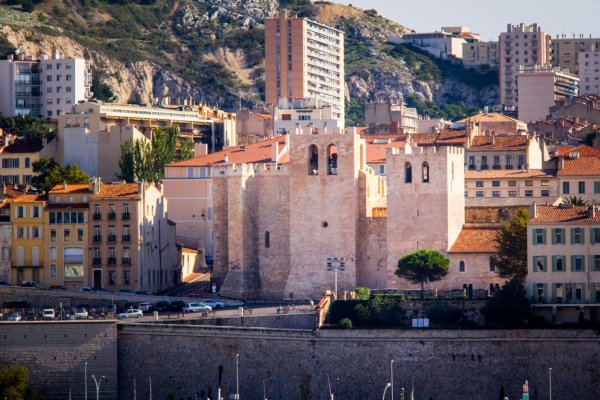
448, 365
56, 353
478, 215
279, 321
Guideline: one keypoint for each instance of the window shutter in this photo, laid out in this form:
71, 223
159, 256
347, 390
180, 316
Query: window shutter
596, 187
554, 235
553, 293
545, 292
582, 263
592, 236
572, 263
583, 298
582, 235
592, 292
533, 235
535, 264
544, 236
554, 263
572, 235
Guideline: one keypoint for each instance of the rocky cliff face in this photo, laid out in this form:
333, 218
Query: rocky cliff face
203, 49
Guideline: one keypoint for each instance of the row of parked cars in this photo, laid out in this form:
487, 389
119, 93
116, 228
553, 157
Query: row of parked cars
204, 307
36, 285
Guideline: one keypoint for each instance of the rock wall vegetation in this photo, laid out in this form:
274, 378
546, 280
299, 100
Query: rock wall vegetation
211, 50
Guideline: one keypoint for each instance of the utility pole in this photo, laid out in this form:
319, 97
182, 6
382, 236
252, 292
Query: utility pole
85, 384
335, 264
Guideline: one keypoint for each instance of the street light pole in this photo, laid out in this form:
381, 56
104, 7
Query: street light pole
85, 382
384, 390
550, 381
336, 264
237, 377
392, 379
98, 383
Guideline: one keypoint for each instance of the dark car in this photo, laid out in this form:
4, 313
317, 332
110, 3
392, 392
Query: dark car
4, 283
57, 287
161, 306
177, 305
142, 292
31, 316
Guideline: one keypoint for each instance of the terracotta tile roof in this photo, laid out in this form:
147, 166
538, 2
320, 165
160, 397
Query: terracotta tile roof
263, 116
260, 152
118, 191
488, 117
581, 166
10, 192
22, 145
30, 198
377, 146
583, 150
70, 188
452, 136
509, 173
552, 214
499, 143
476, 239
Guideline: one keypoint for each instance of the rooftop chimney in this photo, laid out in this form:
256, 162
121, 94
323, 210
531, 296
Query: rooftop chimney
226, 158
534, 209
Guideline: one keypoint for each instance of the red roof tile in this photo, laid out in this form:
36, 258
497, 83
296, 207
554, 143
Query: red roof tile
509, 173
580, 166
499, 143
476, 239
552, 214
70, 188
583, 150
117, 191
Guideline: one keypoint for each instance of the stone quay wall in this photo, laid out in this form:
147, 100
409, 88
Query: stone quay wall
56, 353
295, 364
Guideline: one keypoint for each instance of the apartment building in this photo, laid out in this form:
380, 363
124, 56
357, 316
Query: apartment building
586, 107
253, 126
304, 113
566, 50
492, 122
496, 152
304, 59
17, 156
48, 87
7, 194
563, 263
391, 118
448, 42
27, 220
481, 54
520, 45
540, 88
66, 236
578, 172
589, 72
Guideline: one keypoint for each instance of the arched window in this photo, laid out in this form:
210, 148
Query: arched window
461, 266
407, 173
267, 239
332, 160
425, 172
313, 160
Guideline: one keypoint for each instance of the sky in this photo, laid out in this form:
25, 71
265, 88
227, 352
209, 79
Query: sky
490, 17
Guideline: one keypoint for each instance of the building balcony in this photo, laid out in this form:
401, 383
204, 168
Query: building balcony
126, 238
111, 261
472, 167
97, 216
509, 166
112, 215
112, 238
497, 167
126, 216
97, 261
126, 261
97, 238
484, 167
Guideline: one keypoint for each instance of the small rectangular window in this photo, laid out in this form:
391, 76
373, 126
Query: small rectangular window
478, 184
512, 193
496, 193
512, 183
479, 193
545, 193
495, 183
528, 183
565, 187
545, 182
529, 193
581, 187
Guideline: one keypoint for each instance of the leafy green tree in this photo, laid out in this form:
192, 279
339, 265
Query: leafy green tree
186, 150
49, 174
164, 146
511, 259
509, 307
100, 89
362, 293
14, 384
423, 266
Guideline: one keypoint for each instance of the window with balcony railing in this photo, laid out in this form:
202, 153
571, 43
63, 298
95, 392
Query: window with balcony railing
126, 261
97, 238
112, 215
111, 261
126, 238
112, 238
97, 261
97, 216
126, 215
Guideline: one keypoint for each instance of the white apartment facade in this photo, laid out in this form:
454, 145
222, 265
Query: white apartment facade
48, 87
304, 113
589, 72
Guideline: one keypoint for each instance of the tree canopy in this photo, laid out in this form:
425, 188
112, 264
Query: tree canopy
508, 307
423, 266
28, 127
14, 384
145, 161
49, 174
511, 260
186, 150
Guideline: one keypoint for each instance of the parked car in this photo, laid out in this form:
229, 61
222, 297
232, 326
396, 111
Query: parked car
85, 289
197, 307
48, 313
31, 316
32, 284
4, 283
177, 305
145, 307
101, 290
125, 292
15, 316
131, 313
161, 306
80, 313
213, 303
57, 287
142, 292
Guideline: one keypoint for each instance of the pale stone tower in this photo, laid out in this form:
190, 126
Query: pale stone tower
324, 169
425, 201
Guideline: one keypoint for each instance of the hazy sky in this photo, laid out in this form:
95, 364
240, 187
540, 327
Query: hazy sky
490, 17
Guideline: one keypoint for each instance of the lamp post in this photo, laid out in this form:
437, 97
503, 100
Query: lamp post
335, 264
98, 383
385, 390
85, 381
237, 377
392, 379
550, 381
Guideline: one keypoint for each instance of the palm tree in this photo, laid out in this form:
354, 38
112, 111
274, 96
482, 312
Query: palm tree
575, 201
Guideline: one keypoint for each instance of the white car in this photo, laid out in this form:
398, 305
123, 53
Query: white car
131, 313
213, 303
197, 307
80, 313
48, 313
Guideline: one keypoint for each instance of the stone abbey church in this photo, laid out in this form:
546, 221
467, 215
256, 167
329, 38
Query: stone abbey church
310, 198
